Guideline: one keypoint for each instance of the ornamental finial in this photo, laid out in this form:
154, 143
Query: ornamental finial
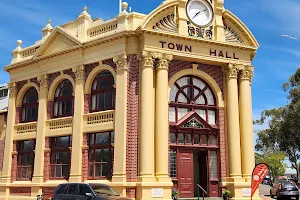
19, 43
85, 8
84, 13
124, 7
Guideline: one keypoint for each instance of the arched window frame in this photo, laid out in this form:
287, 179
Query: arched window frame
60, 101
96, 91
30, 106
191, 105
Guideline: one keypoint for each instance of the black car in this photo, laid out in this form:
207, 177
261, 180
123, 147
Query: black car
284, 188
84, 191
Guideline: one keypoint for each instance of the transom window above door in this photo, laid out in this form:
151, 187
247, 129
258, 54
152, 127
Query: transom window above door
192, 94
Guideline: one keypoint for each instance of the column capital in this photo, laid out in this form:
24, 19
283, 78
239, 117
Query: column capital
12, 89
147, 58
43, 79
246, 73
121, 62
80, 73
164, 60
232, 70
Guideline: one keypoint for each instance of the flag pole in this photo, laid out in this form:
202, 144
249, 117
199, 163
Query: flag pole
120, 6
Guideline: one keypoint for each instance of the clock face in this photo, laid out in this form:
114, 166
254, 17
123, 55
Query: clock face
199, 12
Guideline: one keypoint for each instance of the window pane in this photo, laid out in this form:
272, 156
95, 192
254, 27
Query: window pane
105, 169
68, 106
213, 164
200, 100
108, 100
55, 108
94, 103
105, 153
212, 140
98, 155
182, 98
172, 138
182, 112
183, 81
72, 189
112, 136
188, 139
173, 163
212, 117
61, 189
58, 174
172, 114
197, 82
102, 138
173, 93
203, 139
180, 138
64, 171
63, 141
196, 139
83, 189
97, 169
188, 92
100, 98
209, 97
91, 169
196, 92
201, 113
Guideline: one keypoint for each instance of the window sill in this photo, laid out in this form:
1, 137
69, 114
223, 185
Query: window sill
54, 183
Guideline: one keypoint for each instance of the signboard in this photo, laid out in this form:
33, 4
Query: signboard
157, 193
258, 174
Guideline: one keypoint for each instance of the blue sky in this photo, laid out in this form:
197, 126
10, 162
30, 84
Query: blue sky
273, 22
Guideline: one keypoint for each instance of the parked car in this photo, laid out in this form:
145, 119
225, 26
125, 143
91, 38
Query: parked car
284, 188
84, 191
266, 181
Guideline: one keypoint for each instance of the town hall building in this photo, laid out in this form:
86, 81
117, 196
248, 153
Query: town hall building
141, 102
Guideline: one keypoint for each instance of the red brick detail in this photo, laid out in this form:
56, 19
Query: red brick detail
132, 118
215, 72
18, 114
14, 164
222, 144
52, 77
47, 160
20, 191
85, 159
2, 145
111, 63
50, 109
34, 80
47, 192
178, 65
130, 193
87, 103
20, 84
70, 73
89, 68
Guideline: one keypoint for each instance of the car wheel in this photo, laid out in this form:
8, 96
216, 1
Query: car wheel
272, 196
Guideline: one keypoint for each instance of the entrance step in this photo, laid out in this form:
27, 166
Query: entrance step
201, 198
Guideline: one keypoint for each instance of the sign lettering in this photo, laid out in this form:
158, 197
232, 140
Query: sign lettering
223, 54
175, 46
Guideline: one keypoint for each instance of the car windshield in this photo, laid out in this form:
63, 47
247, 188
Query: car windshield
102, 190
288, 183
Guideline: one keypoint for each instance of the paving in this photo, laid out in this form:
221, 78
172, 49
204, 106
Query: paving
264, 192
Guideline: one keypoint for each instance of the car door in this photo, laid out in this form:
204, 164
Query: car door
83, 190
60, 192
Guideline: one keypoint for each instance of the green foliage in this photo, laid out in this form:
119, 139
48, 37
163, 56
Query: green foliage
226, 193
275, 162
283, 133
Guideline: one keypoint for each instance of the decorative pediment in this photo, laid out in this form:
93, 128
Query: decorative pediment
193, 120
59, 40
167, 23
231, 36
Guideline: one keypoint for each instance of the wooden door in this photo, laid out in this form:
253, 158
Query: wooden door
185, 174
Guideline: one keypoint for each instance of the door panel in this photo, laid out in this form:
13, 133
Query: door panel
185, 174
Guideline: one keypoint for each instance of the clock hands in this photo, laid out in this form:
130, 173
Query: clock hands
199, 13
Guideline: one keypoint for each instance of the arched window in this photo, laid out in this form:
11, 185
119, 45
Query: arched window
30, 106
63, 99
189, 94
103, 92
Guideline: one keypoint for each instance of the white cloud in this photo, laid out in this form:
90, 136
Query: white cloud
290, 37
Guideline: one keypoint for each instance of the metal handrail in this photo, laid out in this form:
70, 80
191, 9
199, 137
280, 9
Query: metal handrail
204, 191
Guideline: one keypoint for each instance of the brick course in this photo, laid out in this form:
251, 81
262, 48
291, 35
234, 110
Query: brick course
20, 191
14, 166
132, 118
131, 193
47, 160
85, 159
222, 144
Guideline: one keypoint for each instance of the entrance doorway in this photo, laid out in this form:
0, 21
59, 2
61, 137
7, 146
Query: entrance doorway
200, 172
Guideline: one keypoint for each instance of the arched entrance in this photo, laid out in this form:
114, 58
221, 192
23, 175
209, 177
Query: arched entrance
194, 137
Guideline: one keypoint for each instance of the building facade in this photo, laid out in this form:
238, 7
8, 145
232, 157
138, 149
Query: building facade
144, 103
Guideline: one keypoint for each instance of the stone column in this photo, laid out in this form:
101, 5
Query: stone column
161, 119
9, 136
77, 135
38, 173
246, 121
233, 125
119, 174
146, 137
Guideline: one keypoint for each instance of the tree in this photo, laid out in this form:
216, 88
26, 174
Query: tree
283, 132
275, 162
